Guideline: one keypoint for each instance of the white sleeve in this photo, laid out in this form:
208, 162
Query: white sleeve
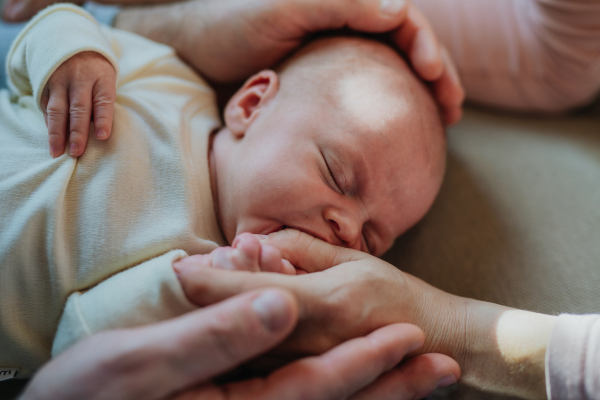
147, 293
52, 37
573, 358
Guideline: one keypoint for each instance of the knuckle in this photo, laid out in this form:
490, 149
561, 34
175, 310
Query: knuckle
78, 108
55, 136
101, 121
124, 354
55, 113
104, 99
224, 336
77, 137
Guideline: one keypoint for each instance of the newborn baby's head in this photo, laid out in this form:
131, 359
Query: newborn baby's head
342, 142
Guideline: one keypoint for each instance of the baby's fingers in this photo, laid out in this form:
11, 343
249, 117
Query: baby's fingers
271, 261
56, 113
80, 112
104, 96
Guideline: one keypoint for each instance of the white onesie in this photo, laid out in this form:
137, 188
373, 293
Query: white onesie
68, 225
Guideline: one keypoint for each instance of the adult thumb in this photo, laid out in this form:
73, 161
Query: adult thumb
309, 253
198, 346
155, 361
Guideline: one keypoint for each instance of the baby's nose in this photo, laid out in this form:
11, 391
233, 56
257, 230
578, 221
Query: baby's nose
345, 228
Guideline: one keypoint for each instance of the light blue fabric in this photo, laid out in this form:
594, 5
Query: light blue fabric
105, 14
8, 33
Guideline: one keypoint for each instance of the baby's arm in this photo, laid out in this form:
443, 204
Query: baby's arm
152, 291
246, 253
63, 60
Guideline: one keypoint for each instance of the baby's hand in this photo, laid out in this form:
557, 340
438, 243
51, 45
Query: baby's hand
247, 253
82, 86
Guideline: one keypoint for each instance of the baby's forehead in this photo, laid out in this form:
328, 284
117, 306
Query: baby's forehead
373, 100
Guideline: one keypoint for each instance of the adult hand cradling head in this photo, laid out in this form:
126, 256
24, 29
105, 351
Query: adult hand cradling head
228, 40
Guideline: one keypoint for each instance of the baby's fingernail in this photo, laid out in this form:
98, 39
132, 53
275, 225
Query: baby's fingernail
101, 134
446, 381
414, 346
392, 7
272, 309
262, 237
54, 152
74, 150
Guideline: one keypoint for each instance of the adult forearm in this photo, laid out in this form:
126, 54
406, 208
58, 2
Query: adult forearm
136, 2
527, 55
163, 23
226, 41
499, 349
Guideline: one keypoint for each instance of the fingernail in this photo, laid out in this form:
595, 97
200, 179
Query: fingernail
102, 134
262, 237
272, 310
73, 150
54, 152
392, 7
446, 381
414, 347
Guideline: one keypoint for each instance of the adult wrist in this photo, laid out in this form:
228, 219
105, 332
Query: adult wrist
500, 350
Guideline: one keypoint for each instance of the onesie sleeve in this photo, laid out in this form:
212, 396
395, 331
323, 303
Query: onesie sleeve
524, 55
573, 358
56, 34
147, 293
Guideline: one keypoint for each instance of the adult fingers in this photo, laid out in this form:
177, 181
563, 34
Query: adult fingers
309, 253
416, 38
208, 342
208, 285
373, 15
204, 286
362, 15
414, 379
334, 375
432, 62
449, 92
56, 114
80, 112
155, 361
103, 99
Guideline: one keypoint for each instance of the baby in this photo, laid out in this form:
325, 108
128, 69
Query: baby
341, 142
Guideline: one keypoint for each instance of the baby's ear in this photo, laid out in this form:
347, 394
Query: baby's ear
245, 105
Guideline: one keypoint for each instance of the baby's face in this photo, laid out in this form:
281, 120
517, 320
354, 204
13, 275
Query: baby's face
350, 166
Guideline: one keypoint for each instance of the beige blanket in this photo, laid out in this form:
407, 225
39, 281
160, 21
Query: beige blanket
518, 219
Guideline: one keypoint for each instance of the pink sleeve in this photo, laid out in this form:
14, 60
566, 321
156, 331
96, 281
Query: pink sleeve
573, 358
528, 55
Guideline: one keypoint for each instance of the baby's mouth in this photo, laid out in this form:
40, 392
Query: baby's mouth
308, 232
277, 229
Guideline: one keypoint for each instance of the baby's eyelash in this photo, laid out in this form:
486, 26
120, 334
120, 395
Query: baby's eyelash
335, 182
